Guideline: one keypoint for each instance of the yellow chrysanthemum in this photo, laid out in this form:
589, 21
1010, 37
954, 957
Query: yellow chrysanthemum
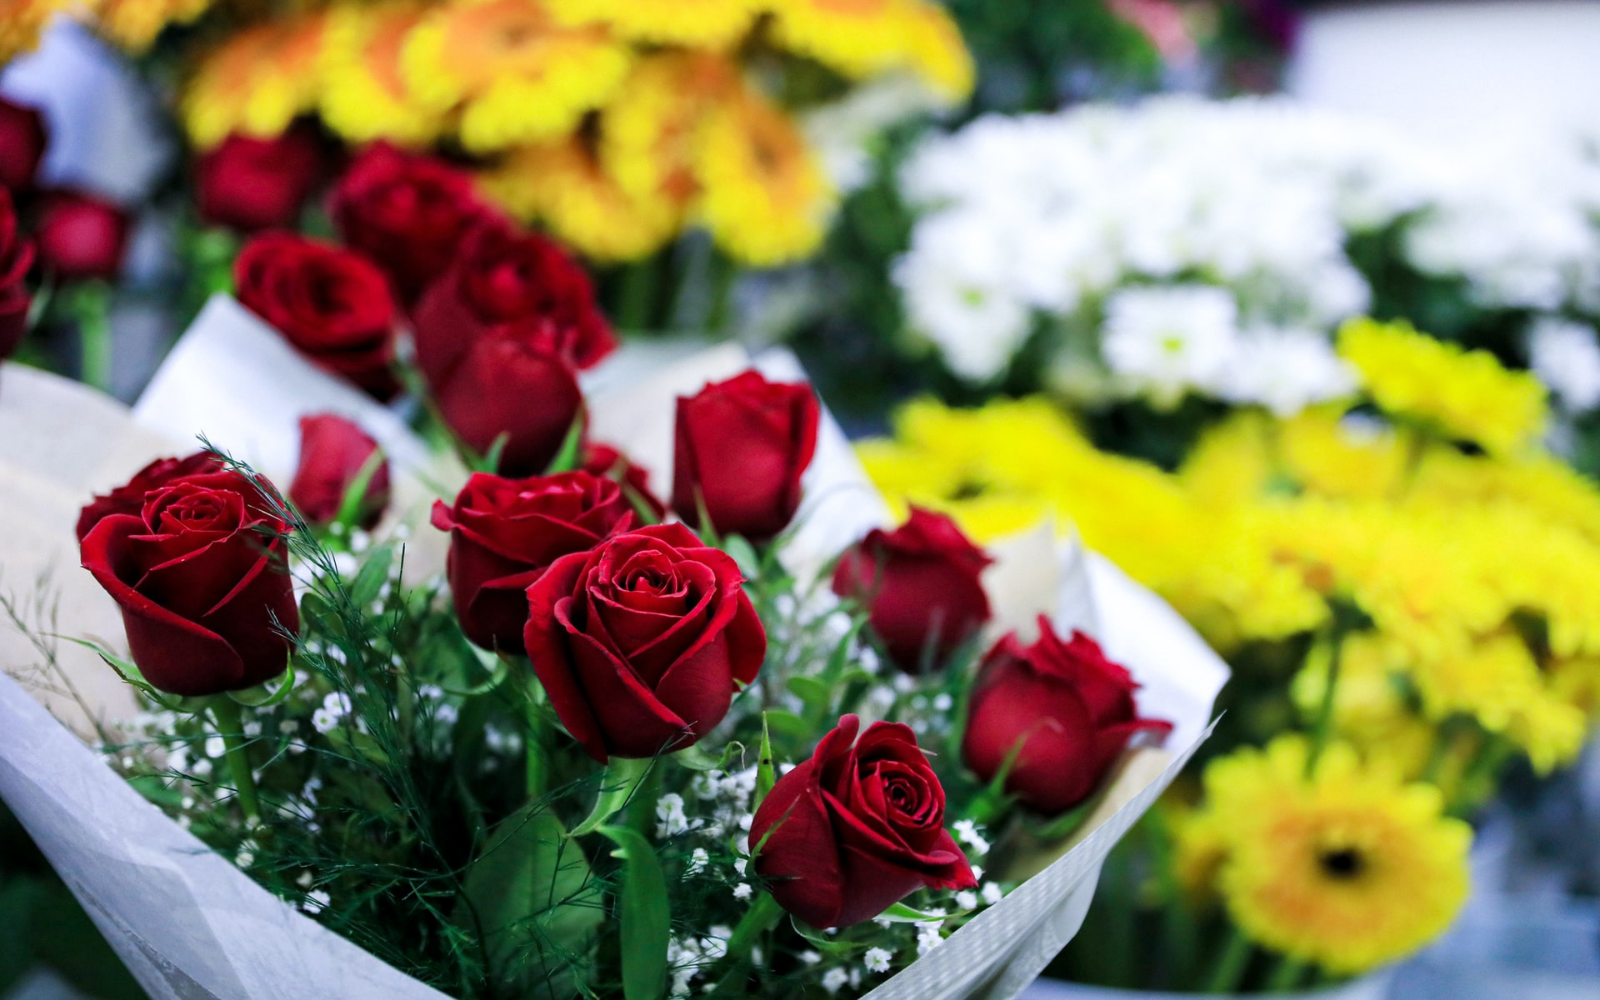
132, 25
564, 185
648, 137
1334, 456
256, 82
706, 24
1498, 683
1350, 869
764, 194
856, 37
937, 52
1467, 394
1370, 709
1577, 682
21, 22
517, 75
365, 96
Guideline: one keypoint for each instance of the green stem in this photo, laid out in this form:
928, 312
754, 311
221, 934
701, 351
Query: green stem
91, 309
1287, 975
729, 971
230, 726
723, 271
1232, 964
639, 281
642, 807
1322, 731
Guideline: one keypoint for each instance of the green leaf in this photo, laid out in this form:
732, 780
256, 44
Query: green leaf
260, 697
646, 916
816, 693
129, 672
490, 461
532, 900
617, 785
900, 913
571, 448
744, 554
373, 575
354, 505
697, 758
787, 724
766, 767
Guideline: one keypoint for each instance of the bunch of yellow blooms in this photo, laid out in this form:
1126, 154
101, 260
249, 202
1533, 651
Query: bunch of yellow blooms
616, 123
1433, 568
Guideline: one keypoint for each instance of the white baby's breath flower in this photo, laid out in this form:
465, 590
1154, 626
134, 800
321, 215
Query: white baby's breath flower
742, 891
670, 818
698, 859
835, 979
809, 957
967, 900
992, 893
315, 900
877, 959
215, 746
928, 938
967, 832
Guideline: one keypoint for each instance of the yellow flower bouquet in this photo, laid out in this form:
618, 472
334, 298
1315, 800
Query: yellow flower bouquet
1404, 581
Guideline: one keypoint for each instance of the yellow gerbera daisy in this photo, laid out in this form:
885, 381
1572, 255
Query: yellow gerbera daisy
365, 97
565, 185
763, 192
132, 25
21, 22
1350, 868
1467, 394
707, 24
517, 75
856, 37
256, 82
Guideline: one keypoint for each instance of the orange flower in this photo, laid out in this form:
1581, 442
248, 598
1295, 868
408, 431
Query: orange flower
256, 82
517, 75
365, 97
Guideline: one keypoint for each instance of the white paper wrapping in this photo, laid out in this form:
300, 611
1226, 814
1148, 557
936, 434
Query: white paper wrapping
190, 925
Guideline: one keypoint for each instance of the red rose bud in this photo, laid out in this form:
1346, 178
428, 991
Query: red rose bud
1070, 709
332, 304
252, 184
740, 450
642, 641
200, 576
921, 585
514, 380
333, 453
23, 139
501, 276
80, 237
129, 498
504, 533
16, 258
857, 828
604, 460
408, 213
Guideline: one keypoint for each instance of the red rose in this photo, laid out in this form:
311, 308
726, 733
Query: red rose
500, 275
604, 460
504, 533
80, 237
199, 575
332, 304
333, 451
129, 498
857, 828
642, 641
16, 257
22, 143
408, 213
1069, 707
514, 380
251, 184
921, 585
741, 447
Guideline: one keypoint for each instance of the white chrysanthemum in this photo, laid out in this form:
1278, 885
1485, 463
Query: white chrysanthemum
1168, 341
1286, 371
1566, 357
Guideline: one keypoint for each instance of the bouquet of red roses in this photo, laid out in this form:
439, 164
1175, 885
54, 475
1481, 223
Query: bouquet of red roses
722, 740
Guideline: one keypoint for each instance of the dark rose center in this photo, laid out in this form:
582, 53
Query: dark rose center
1345, 864
906, 794
205, 512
